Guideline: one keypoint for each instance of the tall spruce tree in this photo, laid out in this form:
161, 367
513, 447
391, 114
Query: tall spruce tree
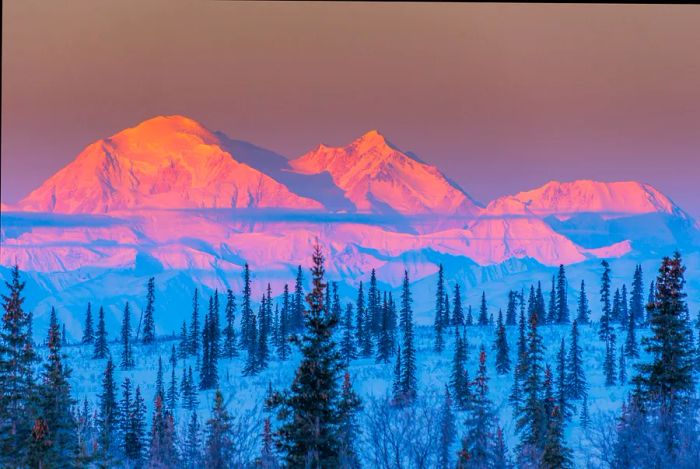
88, 330
636, 307
172, 393
624, 306
230, 349
192, 445
575, 375
364, 337
127, 356
439, 323
457, 310
218, 450
409, 380
108, 419
384, 346
616, 315
160, 387
195, 332
512, 308
553, 313
479, 442
309, 411
246, 310
101, 347
483, 311
53, 440
17, 358
347, 345
605, 329
667, 383
298, 302
562, 301
609, 361
349, 428
374, 312
583, 312
283, 349
520, 370
149, 325
631, 348
162, 452
459, 379
501, 347
563, 397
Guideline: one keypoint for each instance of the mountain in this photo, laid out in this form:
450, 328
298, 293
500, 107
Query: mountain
164, 162
377, 177
563, 199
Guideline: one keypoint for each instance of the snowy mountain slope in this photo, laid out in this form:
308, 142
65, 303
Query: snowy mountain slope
164, 162
378, 177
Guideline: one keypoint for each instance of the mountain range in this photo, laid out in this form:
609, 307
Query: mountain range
172, 198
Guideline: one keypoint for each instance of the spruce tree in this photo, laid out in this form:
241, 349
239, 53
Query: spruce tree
520, 370
218, 450
459, 381
172, 393
631, 348
667, 383
609, 362
229, 349
555, 453
373, 305
184, 345
162, 452
553, 313
539, 305
622, 367
624, 309
605, 329
298, 304
483, 311
108, 420
384, 346
651, 300
583, 312
457, 311
267, 459
215, 328
585, 418
480, 424
531, 422
283, 349
349, 428
149, 325
563, 397
364, 338
562, 301
575, 376
160, 387
246, 310
127, 357
133, 415
192, 445
439, 322
309, 411
194, 326
512, 308
262, 351
347, 346
469, 321
447, 432
17, 358
53, 440
636, 307
501, 347
409, 380
616, 314
88, 331
251, 362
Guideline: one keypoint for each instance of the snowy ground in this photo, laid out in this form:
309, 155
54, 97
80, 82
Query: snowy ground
372, 381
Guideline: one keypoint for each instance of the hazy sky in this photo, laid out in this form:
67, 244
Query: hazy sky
500, 97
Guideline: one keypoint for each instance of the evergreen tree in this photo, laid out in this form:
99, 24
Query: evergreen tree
88, 331
283, 349
194, 326
483, 311
184, 345
172, 394
219, 446
651, 300
348, 343
149, 325
667, 383
64, 340
512, 308
575, 376
624, 310
53, 440
616, 314
555, 453
17, 358
439, 322
384, 346
562, 301
479, 442
459, 380
364, 337
374, 313
609, 363
298, 304
192, 447
267, 458
247, 318
215, 329
457, 311
160, 388
108, 420
409, 380
349, 428
501, 347
605, 329
631, 349
563, 397
309, 411
520, 371
531, 422
127, 357
553, 315
470, 318
162, 452
262, 351
251, 362
622, 368
585, 418
539, 305
636, 307
229, 348
583, 312
447, 432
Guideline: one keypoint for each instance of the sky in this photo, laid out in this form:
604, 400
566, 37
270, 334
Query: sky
500, 97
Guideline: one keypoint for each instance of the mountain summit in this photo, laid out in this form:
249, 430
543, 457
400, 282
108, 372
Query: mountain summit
164, 162
377, 177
